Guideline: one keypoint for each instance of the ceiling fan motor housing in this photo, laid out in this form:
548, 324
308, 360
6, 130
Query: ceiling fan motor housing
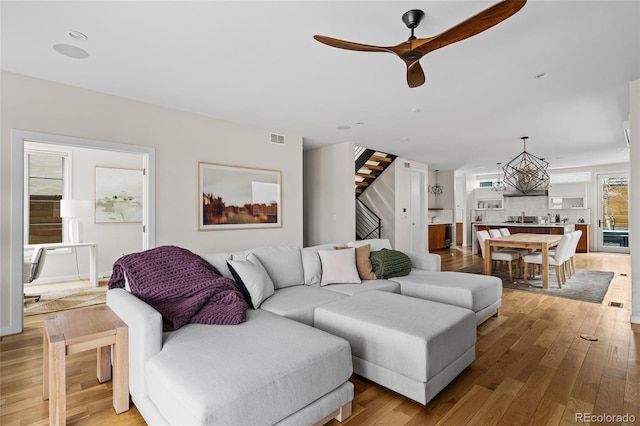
413, 18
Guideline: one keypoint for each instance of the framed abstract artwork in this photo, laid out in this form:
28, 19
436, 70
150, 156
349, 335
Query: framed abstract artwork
118, 195
232, 197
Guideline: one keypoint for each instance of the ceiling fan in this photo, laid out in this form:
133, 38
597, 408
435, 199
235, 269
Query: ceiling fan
413, 49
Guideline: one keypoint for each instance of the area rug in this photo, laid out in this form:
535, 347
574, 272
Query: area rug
62, 297
588, 286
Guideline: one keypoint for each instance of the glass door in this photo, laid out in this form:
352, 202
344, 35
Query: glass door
613, 213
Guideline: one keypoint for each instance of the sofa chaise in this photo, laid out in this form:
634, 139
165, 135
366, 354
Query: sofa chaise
290, 362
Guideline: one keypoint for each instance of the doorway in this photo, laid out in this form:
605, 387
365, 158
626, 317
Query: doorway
18, 139
613, 213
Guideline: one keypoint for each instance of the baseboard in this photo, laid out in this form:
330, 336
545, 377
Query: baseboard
65, 278
635, 319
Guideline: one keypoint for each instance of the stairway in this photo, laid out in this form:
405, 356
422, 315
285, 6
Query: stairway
369, 165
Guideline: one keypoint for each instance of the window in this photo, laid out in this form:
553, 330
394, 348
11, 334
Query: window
46, 182
485, 184
570, 177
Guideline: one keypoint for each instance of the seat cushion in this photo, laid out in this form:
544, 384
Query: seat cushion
194, 380
471, 291
299, 302
418, 345
366, 285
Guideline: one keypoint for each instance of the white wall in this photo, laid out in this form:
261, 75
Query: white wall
461, 209
329, 197
181, 139
634, 197
447, 199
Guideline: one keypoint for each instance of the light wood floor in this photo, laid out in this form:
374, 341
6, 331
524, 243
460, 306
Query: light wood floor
531, 367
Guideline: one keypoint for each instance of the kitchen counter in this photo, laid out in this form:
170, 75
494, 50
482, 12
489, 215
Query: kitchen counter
514, 228
536, 225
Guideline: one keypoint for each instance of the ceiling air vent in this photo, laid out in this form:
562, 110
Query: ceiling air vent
278, 139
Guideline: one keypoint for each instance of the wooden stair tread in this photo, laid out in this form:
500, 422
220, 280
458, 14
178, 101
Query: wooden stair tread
380, 159
366, 175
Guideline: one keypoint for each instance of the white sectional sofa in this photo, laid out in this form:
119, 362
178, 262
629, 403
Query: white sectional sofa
290, 362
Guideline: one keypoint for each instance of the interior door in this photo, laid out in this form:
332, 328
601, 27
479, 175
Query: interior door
613, 212
418, 213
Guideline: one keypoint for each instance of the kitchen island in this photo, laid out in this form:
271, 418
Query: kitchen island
519, 228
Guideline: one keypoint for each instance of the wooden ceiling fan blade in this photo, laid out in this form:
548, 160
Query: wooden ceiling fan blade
474, 25
415, 75
349, 45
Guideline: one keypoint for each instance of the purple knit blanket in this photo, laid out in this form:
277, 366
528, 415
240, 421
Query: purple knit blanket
180, 285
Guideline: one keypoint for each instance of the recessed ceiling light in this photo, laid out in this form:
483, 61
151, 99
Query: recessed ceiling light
343, 127
70, 51
541, 75
416, 110
403, 139
359, 123
77, 35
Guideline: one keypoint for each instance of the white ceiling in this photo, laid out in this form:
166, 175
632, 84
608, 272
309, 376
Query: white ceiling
256, 63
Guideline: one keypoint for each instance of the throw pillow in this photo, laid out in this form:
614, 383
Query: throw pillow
390, 263
253, 281
363, 263
338, 267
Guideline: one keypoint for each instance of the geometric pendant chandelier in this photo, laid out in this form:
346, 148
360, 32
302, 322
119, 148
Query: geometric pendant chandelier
436, 189
526, 172
499, 185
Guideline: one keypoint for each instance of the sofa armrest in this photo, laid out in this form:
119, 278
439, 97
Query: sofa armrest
145, 335
424, 260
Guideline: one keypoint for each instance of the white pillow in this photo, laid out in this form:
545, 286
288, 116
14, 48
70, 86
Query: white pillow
339, 266
252, 279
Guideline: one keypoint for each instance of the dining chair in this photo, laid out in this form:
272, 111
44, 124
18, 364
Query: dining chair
570, 263
557, 260
498, 255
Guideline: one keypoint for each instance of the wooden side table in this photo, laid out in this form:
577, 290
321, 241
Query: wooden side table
80, 330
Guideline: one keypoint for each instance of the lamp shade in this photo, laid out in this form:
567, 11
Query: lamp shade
75, 208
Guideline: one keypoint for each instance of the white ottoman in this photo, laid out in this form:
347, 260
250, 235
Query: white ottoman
480, 293
412, 346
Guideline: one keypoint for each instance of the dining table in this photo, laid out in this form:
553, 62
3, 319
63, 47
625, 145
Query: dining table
542, 242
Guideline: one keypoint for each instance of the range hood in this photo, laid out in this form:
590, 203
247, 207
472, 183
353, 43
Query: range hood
535, 193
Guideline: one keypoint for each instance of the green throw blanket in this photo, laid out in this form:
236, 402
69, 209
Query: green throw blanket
390, 263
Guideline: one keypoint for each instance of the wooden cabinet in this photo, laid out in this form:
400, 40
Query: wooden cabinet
437, 236
583, 244
459, 234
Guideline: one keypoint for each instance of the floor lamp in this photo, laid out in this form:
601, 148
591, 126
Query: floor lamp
75, 209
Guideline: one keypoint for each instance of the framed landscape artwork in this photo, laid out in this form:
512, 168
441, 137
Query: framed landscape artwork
118, 195
232, 197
